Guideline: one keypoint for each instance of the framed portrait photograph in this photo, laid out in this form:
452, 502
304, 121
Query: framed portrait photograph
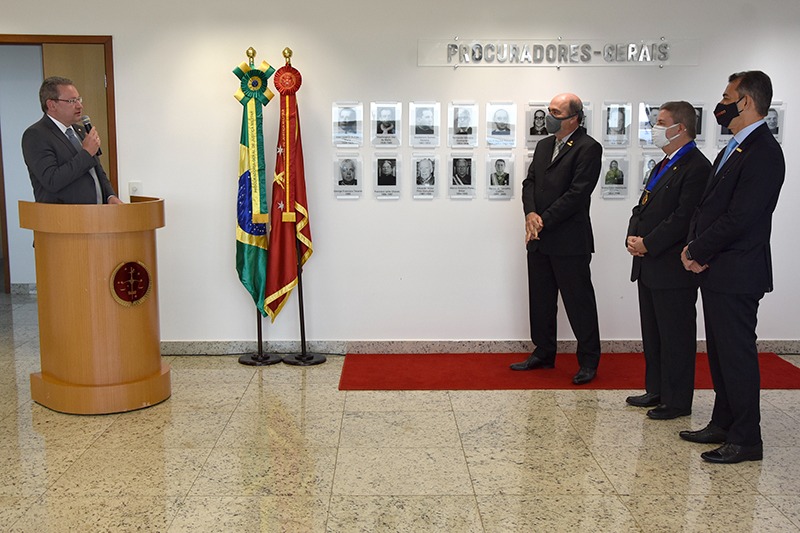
613, 175
347, 123
501, 124
462, 119
462, 178
774, 120
616, 124
649, 162
348, 181
387, 176
587, 117
535, 129
648, 116
700, 131
424, 172
386, 123
423, 124
500, 176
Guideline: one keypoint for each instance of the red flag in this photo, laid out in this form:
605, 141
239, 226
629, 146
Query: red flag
290, 232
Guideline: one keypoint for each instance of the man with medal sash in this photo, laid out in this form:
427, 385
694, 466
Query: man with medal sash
667, 292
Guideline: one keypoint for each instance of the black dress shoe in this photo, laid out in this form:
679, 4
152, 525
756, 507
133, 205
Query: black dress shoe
662, 412
734, 453
532, 362
584, 375
708, 435
645, 400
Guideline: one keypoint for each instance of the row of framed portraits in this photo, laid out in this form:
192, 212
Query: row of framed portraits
463, 128
458, 174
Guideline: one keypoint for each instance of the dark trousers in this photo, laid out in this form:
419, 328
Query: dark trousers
669, 335
569, 274
733, 358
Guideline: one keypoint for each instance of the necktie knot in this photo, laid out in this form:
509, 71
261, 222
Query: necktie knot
732, 144
73, 138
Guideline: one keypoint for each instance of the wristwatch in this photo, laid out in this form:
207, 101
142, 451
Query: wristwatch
688, 253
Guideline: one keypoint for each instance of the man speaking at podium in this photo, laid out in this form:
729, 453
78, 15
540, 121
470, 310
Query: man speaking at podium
61, 156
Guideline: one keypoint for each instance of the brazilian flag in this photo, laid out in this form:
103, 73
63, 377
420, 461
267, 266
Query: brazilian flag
252, 209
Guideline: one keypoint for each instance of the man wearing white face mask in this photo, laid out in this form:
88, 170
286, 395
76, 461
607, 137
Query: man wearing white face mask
667, 294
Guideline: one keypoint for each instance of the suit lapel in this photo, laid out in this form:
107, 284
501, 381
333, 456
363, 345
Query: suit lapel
564, 149
734, 158
62, 138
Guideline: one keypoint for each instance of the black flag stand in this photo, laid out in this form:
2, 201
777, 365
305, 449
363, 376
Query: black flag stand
260, 358
304, 358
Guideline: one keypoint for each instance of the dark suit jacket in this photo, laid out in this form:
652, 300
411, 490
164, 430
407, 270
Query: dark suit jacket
561, 191
59, 173
663, 222
731, 226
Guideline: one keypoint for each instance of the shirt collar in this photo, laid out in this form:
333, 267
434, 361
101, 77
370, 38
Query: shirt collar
742, 135
61, 126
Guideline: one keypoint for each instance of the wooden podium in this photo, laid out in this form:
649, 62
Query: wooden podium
96, 279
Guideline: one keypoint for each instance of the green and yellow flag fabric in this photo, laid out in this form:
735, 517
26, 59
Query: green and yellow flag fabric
252, 209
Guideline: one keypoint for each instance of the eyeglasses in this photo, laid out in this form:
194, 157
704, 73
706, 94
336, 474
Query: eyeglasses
73, 101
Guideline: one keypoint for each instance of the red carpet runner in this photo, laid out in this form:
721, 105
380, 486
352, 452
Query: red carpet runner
490, 372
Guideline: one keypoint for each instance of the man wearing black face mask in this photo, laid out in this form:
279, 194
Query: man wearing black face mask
558, 233
730, 253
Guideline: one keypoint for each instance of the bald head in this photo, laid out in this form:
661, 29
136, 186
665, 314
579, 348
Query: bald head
566, 107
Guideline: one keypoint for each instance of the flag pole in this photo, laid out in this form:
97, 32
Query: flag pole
304, 358
260, 358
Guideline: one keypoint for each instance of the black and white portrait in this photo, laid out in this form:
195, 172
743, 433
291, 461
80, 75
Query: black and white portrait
346, 123
386, 123
616, 120
348, 176
648, 116
387, 172
347, 182
501, 125
424, 121
423, 124
537, 122
617, 128
463, 119
426, 171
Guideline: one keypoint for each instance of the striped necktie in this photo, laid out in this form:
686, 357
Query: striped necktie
559, 145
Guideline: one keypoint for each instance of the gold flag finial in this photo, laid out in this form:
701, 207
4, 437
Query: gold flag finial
287, 53
251, 54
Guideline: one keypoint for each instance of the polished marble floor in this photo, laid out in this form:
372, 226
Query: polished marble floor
280, 448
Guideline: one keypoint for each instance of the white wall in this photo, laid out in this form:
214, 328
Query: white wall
20, 76
408, 269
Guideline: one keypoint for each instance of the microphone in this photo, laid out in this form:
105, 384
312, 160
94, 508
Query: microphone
87, 125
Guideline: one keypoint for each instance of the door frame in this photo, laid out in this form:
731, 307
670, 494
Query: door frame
111, 149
